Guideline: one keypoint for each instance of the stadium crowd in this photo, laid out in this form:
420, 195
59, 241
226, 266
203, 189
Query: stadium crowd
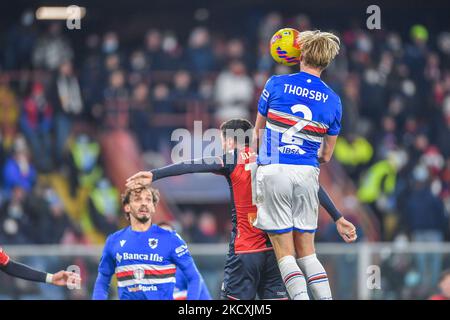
56, 98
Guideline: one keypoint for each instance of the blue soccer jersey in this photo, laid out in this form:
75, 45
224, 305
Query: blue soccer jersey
145, 264
300, 110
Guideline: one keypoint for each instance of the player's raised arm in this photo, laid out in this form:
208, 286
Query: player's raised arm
105, 272
346, 229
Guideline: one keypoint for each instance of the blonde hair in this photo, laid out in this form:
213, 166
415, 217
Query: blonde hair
318, 48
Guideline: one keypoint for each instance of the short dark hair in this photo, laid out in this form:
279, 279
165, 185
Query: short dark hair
236, 124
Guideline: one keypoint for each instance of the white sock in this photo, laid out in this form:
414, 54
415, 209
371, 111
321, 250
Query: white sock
293, 278
316, 277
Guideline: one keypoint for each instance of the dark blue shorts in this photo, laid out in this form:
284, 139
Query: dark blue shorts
251, 275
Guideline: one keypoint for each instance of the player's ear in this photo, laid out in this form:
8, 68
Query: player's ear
127, 208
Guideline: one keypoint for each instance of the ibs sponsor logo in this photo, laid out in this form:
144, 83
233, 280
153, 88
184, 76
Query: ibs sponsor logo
291, 149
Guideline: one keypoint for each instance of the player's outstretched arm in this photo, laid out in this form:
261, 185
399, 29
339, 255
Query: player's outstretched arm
106, 270
182, 258
208, 164
101, 287
345, 228
25, 272
328, 204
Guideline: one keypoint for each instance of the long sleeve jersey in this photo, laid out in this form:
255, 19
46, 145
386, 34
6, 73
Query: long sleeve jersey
145, 264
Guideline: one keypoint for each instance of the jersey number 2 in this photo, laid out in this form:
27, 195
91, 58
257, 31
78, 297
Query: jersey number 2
289, 135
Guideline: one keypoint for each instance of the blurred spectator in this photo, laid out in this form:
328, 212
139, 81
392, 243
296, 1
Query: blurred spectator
116, 102
110, 44
36, 123
67, 103
182, 93
84, 168
18, 170
443, 128
15, 223
20, 40
199, 53
56, 225
140, 113
187, 221
233, 92
153, 48
269, 25
206, 229
378, 185
9, 111
354, 152
139, 68
92, 74
444, 287
427, 221
52, 48
104, 207
162, 104
235, 50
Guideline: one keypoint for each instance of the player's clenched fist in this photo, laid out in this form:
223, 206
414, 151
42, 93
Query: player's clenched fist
346, 230
141, 178
62, 278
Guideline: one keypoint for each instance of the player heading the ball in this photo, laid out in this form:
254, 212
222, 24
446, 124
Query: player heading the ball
298, 120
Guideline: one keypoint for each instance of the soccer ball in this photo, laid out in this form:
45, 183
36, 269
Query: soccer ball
285, 47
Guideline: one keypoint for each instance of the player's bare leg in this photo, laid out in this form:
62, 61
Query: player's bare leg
313, 270
293, 278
